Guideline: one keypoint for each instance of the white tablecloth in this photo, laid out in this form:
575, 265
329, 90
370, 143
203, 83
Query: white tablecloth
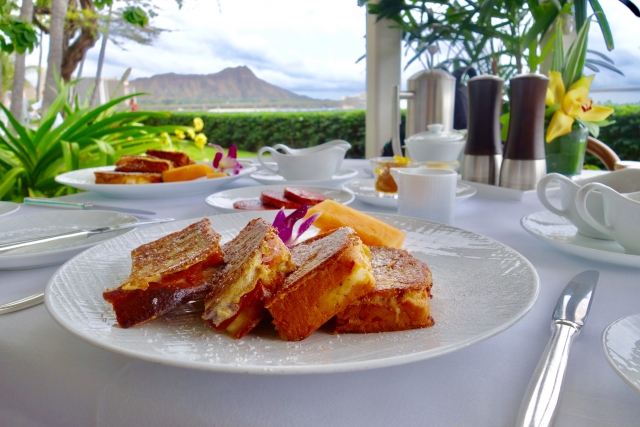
48, 377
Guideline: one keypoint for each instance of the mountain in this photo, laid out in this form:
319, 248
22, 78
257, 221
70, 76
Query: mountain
231, 85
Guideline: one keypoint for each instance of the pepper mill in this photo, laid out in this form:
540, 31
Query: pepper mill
483, 151
524, 161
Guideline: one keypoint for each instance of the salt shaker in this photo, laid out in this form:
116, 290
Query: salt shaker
483, 151
524, 161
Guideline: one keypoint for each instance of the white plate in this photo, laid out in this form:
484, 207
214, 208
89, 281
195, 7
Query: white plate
365, 191
84, 179
7, 207
224, 200
563, 235
19, 227
621, 345
481, 287
265, 177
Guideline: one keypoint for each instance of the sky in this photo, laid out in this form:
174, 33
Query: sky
309, 47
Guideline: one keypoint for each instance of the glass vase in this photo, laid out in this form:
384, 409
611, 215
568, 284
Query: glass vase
565, 154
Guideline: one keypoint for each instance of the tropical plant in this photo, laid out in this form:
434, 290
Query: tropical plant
568, 102
30, 159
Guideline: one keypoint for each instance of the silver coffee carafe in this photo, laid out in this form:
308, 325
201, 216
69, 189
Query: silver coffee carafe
431, 99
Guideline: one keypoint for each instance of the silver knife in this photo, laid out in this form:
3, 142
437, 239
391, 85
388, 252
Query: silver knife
56, 203
539, 405
10, 246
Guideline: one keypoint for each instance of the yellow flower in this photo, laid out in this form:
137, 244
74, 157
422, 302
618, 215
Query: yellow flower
200, 140
167, 138
574, 103
179, 134
198, 124
191, 133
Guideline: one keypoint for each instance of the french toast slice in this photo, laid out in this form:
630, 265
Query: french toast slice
333, 270
256, 265
167, 273
143, 164
177, 157
400, 300
104, 177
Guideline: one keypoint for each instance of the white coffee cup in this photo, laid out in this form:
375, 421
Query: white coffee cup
426, 193
624, 181
315, 164
621, 215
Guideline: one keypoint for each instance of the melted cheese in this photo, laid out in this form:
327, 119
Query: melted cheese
360, 275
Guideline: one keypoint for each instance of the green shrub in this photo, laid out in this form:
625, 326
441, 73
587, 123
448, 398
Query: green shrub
251, 131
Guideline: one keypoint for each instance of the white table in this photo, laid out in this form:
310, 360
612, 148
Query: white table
48, 377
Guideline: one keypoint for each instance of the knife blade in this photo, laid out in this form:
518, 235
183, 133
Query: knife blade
540, 402
44, 240
55, 203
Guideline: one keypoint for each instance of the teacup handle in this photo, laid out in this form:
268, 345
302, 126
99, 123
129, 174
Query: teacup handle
542, 192
264, 164
581, 206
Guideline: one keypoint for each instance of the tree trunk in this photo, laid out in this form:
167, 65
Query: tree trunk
17, 90
75, 52
56, 33
39, 81
105, 39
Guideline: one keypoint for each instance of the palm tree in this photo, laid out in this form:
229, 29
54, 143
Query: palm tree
56, 35
17, 91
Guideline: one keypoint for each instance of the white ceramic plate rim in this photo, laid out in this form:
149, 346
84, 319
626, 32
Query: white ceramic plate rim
612, 328
496, 327
38, 259
622, 259
158, 190
8, 207
256, 190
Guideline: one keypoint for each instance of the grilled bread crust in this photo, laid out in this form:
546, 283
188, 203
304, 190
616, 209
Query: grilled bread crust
256, 265
178, 158
127, 178
167, 272
143, 164
333, 270
400, 300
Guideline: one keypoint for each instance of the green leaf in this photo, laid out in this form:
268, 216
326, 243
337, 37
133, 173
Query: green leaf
9, 180
557, 60
604, 24
549, 111
592, 127
541, 25
576, 56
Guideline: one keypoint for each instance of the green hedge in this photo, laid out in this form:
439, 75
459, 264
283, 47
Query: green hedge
250, 131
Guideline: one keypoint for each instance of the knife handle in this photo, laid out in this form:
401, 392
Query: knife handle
52, 202
540, 402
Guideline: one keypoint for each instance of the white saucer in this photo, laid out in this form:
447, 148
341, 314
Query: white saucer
365, 191
223, 201
7, 207
265, 177
621, 345
563, 235
48, 223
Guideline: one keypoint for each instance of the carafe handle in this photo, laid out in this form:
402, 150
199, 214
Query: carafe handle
581, 205
263, 163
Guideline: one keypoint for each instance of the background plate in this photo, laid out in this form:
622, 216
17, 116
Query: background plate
481, 287
224, 200
621, 345
7, 207
560, 233
365, 191
84, 179
265, 177
53, 222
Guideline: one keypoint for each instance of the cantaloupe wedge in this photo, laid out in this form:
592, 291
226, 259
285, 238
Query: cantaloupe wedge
186, 173
371, 231
216, 174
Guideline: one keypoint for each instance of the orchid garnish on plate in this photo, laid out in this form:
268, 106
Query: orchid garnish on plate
222, 163
285, 224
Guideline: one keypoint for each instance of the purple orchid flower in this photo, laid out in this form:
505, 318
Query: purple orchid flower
223, 163
285, 224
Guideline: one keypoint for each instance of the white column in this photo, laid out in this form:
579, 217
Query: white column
383, 73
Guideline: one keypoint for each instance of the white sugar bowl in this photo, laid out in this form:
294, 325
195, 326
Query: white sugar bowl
435, 145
